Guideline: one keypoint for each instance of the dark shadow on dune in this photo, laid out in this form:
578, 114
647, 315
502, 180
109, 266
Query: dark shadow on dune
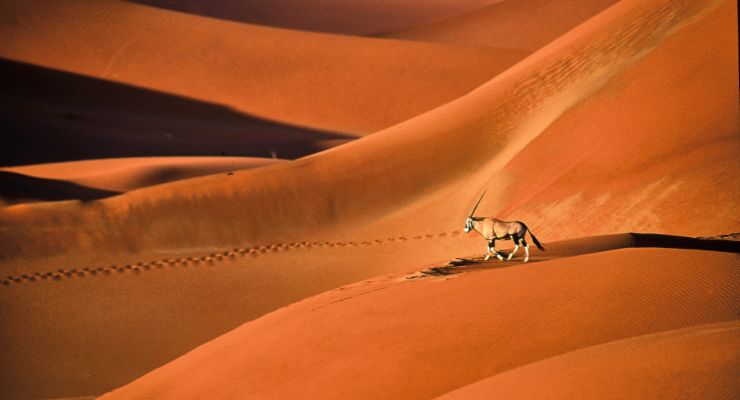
48, 116
18, 188
683, 242
590, 245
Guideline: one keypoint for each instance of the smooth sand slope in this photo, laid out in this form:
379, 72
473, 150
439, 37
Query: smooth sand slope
698, 362
520, 24
52, 116
328, 82
393, 201
126, 174
349, 17
393, 338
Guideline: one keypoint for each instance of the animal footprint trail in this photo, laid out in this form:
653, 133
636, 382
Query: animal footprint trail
205, 260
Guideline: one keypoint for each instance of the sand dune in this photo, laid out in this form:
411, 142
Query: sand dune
423, 338
526, 25
328, 82
19, 188
442, 175
149, 275
56, 116
126, 174
350, 17
675, 364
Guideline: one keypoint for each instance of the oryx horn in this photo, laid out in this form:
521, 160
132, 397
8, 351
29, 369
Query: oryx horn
476, 204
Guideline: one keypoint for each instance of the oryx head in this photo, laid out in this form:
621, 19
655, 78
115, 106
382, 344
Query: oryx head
469, 221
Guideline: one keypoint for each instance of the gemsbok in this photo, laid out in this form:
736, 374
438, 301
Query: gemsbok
493, 229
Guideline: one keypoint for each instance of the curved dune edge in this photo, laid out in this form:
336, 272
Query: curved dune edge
697, 362
126, 174
351, 85
407, 181
422, 168
527, 25
54, 116
358, 17
419, 339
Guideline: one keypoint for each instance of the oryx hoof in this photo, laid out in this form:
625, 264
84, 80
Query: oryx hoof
526, 259
500, 258
486, 257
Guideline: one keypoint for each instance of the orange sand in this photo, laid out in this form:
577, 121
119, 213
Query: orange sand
628, 122
392, 338
331, 82
350, 17
126, 174
521, 24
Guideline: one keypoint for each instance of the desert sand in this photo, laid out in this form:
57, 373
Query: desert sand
329, 275
357, 17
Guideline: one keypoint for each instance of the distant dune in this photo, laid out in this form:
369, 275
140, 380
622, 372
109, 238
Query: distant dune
51, 116
327, 82
210, 287
519, 24
349, 17
117, 175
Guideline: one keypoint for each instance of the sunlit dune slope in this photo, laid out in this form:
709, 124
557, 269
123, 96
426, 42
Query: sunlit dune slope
350, 17
699, 362
49, 115
657, 149
437, 164
423, 338
331, 82
126, 174
521, 24
407, 188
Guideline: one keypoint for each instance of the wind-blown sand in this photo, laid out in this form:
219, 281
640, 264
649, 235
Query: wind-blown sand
624, 123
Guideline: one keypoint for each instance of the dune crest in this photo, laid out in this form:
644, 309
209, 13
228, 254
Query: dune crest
351, 85
682, 363
462, 328
156, 272
357, 17
526, 25
126, 174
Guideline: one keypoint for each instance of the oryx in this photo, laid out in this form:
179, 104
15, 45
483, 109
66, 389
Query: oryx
493, 229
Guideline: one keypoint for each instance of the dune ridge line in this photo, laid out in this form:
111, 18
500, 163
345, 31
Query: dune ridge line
636, 240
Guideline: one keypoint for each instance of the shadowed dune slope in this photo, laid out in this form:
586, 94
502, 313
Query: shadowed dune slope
349, 17
437, 164
126, 174
521, 24
422, 338
50, 115
329, 82
19, 188
394, 200
701, 362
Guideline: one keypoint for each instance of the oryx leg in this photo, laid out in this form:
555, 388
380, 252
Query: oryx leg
489, 249
516, 248
526, 250
493, 248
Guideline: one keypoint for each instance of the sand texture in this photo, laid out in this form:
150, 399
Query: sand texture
203, 201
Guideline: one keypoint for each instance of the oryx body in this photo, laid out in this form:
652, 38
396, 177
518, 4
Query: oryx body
493, 229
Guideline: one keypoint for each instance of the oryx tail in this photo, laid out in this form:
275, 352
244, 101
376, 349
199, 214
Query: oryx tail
534, 239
